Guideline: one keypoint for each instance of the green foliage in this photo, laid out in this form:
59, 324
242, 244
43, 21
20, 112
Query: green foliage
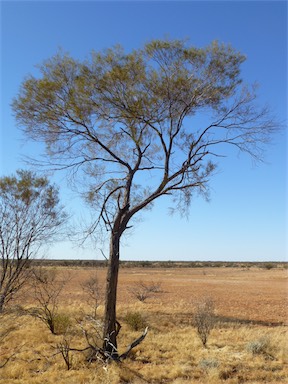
30, 215
62, 322
118, 114
124, 118
34, 204
135, 320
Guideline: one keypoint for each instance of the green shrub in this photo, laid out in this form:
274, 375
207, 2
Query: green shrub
135, 320
61, 323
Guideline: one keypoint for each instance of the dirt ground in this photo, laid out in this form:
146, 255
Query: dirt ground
251, 295
247, 345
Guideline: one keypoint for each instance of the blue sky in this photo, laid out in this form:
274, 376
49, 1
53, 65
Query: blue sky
246, 216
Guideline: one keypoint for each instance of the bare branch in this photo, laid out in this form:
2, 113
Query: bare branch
134, 344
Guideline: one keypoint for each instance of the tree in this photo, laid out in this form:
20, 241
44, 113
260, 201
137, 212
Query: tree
30, 215
141, 125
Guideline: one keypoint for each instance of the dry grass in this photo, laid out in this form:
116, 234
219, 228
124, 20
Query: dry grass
172, 351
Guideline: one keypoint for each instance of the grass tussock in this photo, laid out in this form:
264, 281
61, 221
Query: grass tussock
172, 352
175, 356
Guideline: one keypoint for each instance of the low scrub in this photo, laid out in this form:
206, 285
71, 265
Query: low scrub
135, 320
142, 290
262, 346
204, 319
207, 364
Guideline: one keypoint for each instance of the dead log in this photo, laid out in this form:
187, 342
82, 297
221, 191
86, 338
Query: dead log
134, 344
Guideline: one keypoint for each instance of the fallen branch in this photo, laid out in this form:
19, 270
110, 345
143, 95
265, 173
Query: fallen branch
95, 352
134, 344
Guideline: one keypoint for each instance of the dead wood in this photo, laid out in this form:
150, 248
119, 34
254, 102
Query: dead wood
134, 344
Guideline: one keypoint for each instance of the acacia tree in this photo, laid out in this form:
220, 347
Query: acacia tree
30, 216
131, 122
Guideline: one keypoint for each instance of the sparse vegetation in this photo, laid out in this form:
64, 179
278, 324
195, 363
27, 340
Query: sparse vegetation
204, 318
268, 265
261, 346
142, 291
158, 264
64, 349
94, 292
208, 364
142, 102
46, 288
30, 216
239, 351
135, 320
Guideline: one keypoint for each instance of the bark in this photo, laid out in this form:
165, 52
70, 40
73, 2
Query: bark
2, 301
111, 327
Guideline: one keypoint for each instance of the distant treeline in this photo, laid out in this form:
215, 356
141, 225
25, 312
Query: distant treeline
161, 264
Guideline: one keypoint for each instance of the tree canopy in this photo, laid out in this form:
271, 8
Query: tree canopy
121, 114
30, 216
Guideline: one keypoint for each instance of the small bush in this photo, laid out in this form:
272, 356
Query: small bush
94, 292
46, 288
261, 346
135, 320
142, 291
204, 319
64, 349
61, 323
268, 266
155, 287
208, 364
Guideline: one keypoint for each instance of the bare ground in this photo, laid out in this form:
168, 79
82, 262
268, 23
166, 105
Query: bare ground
247, 295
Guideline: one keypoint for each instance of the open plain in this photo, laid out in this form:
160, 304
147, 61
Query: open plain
248, 343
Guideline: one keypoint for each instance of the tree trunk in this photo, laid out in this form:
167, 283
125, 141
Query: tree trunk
2, 301
110, 322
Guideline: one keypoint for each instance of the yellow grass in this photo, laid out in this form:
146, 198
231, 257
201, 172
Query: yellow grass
172, 351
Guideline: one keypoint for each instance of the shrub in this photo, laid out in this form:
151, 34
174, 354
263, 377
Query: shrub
94, 292
268, 266
46, 288
208, 364
261, 346
155, 287
204, 319
61, 323
143, 291
64, 349
135, 320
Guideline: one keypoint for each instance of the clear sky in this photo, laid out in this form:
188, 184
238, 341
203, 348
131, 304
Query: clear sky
246, 216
